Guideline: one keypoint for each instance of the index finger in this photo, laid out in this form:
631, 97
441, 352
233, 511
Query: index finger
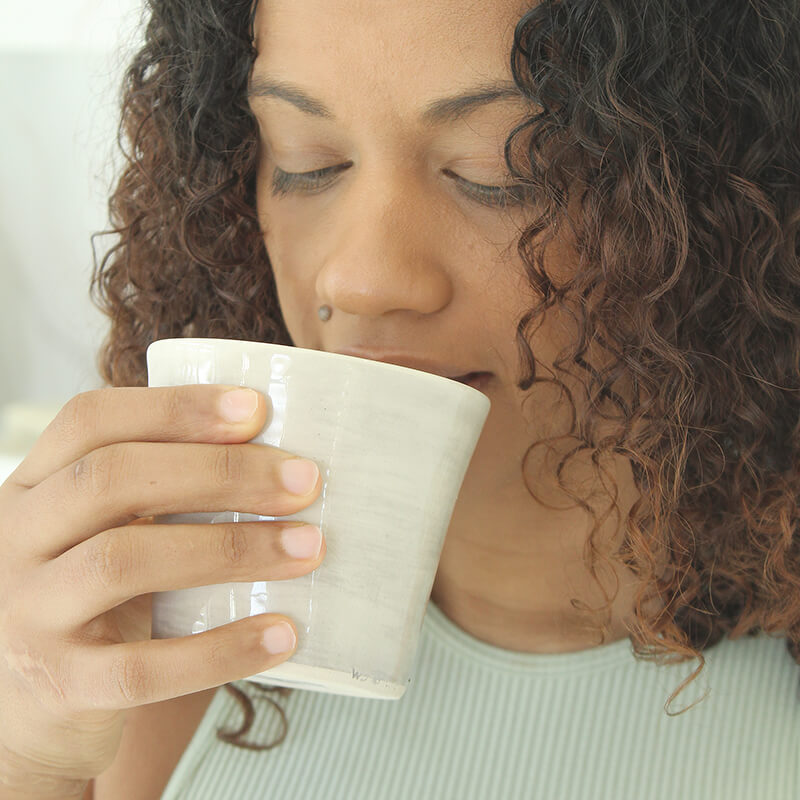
196, 413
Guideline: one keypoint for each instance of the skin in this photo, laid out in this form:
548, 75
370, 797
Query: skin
410, 262
81, 540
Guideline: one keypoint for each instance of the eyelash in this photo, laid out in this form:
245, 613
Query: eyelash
284, 183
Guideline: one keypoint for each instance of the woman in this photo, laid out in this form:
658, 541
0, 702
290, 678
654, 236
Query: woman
605, 226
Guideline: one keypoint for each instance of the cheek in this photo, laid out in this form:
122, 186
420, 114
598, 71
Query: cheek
294, 282
285, 230
294, 269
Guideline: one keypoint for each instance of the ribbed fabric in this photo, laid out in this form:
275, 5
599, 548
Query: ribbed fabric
478, 721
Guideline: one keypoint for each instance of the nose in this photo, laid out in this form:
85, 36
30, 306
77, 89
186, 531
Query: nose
386, 251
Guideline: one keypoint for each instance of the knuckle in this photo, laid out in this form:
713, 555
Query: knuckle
173, 409
79, 416
107, 561
227, 467
99, 471
84, 475
218, 654
234, 544
127, 678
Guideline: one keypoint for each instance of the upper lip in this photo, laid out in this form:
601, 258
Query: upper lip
411, 360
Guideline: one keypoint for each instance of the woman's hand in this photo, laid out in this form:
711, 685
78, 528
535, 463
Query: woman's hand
81, 555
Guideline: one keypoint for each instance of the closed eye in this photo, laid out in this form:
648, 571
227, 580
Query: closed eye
514, 194
284, 183
315, 181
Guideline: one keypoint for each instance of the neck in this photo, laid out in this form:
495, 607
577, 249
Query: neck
513, 574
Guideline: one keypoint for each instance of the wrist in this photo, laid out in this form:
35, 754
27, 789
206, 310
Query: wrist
18, 783
34, 789
64, 790
32, 794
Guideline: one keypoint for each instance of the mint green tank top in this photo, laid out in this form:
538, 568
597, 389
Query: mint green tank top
481, 723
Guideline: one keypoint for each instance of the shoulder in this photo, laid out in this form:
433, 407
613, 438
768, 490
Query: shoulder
757, 655
153, 741
755, 672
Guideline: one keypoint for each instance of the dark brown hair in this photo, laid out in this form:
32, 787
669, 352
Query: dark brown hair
667, 146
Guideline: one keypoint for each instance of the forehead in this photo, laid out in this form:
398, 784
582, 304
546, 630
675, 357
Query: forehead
394, 53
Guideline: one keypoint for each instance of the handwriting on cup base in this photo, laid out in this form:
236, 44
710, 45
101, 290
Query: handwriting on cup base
357, 676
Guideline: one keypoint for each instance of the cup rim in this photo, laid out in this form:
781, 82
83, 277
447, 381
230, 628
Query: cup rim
362, 363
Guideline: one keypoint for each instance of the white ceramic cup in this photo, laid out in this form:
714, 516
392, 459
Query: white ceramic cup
393, 445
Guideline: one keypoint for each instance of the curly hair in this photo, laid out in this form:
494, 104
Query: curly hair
672, 127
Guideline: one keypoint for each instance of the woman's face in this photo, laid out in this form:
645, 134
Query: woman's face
399, 112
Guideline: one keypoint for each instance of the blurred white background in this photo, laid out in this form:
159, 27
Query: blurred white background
61, 64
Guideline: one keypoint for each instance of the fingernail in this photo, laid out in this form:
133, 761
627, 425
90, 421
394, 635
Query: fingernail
238, 405
279, 638
304, 541
299, 475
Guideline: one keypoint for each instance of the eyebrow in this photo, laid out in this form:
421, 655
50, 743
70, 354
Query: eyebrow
445, 109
